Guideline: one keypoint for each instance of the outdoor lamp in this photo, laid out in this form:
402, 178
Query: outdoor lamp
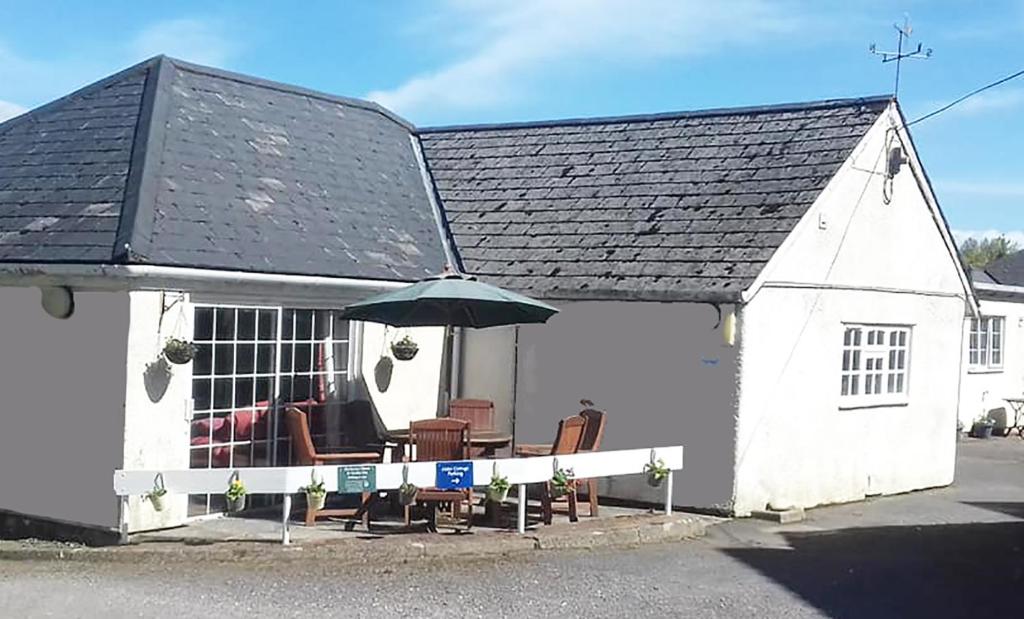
729, 328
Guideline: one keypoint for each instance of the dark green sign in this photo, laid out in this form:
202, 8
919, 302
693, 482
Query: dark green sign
356, 479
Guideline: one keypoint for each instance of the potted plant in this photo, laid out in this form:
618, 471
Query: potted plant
404, 349
316, 494
178, 351
156, 498
982, 427
656, 472
235, 495
497, 490
407, 493
561, 482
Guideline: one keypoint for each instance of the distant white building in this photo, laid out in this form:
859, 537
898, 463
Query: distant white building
994, 349
809, 229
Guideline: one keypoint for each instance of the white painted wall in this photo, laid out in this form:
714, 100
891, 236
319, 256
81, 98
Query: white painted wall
62, 398
661, 371
412, 392
870, 262
490, 370
157, 401
983, 390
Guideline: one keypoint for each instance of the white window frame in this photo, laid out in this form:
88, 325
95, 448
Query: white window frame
986, 338
875, 365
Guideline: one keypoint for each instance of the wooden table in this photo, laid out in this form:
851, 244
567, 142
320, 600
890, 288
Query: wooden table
488, 441
1017, 404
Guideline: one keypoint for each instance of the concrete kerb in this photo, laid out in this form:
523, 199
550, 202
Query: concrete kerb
618, 532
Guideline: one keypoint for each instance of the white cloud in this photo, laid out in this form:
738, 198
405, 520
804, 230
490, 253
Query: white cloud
511, 42
10, 110
1016, 236
196, 40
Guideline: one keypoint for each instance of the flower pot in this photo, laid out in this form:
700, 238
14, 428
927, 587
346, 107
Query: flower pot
236, 504
407, 494
158, 501
316, 502
653, 480
404, 351
494, 495
179, 352
981, 429
558, 491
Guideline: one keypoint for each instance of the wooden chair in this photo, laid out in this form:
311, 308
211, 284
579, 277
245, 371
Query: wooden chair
479, 414
593, 432
433, 440
305, 454
567, 441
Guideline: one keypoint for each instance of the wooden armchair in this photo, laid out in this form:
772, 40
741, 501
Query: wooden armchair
567, 441
305, 454
479, 414
435, 440
593, 432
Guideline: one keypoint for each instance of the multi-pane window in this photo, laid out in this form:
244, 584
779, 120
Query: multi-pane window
876, 360
985, 349
250, 364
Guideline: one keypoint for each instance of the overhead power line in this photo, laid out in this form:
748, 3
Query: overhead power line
966, 97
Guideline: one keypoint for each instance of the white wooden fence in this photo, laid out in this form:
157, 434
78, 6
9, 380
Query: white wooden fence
287, 481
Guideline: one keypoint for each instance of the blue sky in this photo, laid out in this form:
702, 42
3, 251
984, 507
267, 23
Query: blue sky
457, 61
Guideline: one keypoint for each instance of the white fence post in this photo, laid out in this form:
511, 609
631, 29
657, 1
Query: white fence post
668, 493
122, 518
521, 509
286, 512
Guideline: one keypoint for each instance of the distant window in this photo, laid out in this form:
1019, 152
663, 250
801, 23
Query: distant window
985, 349
876, 363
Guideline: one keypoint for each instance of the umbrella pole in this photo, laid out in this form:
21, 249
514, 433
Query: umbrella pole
444, 393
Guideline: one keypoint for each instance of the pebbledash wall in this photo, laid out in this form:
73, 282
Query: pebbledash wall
854, 259
62, 395
984, 389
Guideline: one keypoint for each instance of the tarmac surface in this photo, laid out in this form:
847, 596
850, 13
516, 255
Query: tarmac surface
950, 552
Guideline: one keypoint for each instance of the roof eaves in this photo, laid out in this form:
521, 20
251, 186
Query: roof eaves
870, 101
657, 296
134, 230
371, 106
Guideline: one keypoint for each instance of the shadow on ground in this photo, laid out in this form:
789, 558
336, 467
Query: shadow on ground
952, 570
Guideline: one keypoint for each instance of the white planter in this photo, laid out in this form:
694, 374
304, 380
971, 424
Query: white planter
157, 501
497, 496
316, 502
235, 505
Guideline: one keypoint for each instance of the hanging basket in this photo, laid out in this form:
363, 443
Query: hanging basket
653, 480
404, 349
179, 352
316, 501
236, 504
497, 495
407, 494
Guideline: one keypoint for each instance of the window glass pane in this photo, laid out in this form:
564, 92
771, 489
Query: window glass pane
846, 385
224, 359
901, 358
201, 393
856, 360
903, 338
891, 383
222, 393
202, 364
288, 325
264, 387
245, 359
846, 360
244, 392
893, 338
856, 337
265, 358
246, 324
341, 356
268, 325
303, 324
854, 384
225, 325
286, 358
899, 383
303, 357
203, 327
322, 324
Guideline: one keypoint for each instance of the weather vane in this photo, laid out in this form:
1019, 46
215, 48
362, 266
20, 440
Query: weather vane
898, 56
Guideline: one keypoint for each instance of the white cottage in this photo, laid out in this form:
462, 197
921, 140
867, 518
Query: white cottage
994, 351
774, 288
171, 200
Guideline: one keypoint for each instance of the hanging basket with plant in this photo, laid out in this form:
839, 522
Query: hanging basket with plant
178, 351
235, 495
562, 483
156, 498
316, 493
497, 490
404, 349
656, 472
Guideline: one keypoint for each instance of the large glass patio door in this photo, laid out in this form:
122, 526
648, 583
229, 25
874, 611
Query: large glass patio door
251, 363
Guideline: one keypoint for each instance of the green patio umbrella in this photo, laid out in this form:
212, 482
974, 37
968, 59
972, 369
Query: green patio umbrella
450, 300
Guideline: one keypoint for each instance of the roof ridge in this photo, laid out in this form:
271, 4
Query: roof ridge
243, 78
703, 113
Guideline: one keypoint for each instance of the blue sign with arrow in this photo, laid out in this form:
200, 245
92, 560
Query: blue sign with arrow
454, 475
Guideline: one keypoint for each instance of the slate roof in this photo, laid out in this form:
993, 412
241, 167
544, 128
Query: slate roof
1008, 270
686, 206
173, 164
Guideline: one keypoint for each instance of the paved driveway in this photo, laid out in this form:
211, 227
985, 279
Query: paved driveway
953, 552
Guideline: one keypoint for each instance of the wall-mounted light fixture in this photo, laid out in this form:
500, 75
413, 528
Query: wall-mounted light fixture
729, 327
58, 301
